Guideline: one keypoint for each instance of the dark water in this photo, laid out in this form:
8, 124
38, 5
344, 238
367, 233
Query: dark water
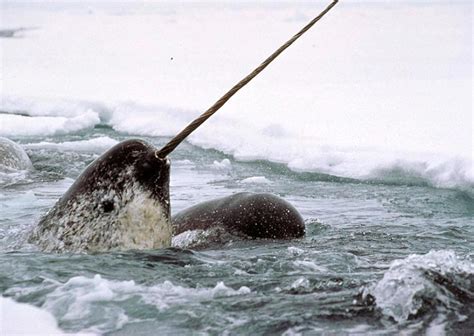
379, 257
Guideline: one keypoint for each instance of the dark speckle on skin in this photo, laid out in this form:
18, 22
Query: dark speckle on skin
253, 215
85, 218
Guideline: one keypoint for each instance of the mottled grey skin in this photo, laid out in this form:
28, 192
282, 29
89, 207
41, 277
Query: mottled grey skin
13, 156
244, 214
120, 202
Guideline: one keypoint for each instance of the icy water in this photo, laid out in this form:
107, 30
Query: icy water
377, 258
364, 125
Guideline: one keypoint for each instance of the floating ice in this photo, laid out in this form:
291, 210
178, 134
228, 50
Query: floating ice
401, 115
99, 145
19, 125
256, 180
24, 319
438, 279
13, 157
222, 165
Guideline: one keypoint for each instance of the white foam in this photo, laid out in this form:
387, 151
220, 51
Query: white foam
188, 238
300, 283
293, 250
8, 177
222, 165
256, 180
80, 298
401, 292
308, 265
292, 332
195, 239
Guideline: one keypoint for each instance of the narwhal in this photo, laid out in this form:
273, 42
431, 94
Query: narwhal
121, 200
243, 215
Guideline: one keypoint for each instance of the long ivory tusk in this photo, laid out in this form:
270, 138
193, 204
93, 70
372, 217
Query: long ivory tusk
173, 143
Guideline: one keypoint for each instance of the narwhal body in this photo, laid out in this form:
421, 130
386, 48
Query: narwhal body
244, 214
119, 202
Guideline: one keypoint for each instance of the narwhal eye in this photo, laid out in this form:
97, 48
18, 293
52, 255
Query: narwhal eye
107, 205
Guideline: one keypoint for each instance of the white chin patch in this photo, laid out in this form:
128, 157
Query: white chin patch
145, 224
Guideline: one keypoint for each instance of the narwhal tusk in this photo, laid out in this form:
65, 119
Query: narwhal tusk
173, 143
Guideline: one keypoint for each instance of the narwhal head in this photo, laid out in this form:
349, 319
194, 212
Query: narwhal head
120, 202
130, 165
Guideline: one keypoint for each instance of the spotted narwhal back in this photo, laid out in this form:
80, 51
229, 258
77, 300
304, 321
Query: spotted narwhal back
120, 202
